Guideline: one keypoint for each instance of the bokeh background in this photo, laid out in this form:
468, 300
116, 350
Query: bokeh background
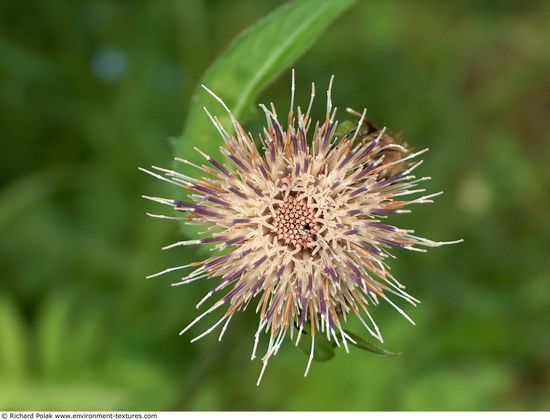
90, 90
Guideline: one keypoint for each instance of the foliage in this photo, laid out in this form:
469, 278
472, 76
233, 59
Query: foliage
91, 90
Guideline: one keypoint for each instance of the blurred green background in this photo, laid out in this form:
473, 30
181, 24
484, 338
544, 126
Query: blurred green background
90, 90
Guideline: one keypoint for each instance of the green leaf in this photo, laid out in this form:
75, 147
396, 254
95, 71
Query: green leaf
324, 349
249, 64
372, 348
345, 128
13, 339
24, 193
86, 340
52, 336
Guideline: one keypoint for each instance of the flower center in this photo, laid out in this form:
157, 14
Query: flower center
294, 223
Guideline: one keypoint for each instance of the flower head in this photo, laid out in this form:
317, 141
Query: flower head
301, 224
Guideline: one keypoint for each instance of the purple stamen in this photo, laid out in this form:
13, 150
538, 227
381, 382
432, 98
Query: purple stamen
278, 135
213, 239
327, 136
203, 189
364, 172
272, 153
202, 211
217, 260
258, 284
178, 204
294, 145
272, 308
346, 160
322, 301
260, 261
264, 171
235, 275
388, 181
359, 191
219, 167
370, 248
217, 201
235, 240
382, 226
238, 193
236, 290
384, 211
238, 162
241, 221
391, 243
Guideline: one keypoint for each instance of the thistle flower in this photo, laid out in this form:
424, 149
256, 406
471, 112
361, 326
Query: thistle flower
300, 225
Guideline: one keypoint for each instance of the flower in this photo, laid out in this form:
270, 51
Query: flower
300, 225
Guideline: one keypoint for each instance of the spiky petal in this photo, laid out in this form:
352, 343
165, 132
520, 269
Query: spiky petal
300, 224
